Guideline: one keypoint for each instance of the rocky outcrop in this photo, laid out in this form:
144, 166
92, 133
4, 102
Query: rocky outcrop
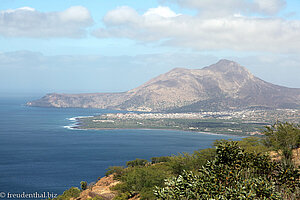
100, 189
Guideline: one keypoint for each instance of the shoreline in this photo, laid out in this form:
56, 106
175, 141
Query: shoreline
77, 125
205, 133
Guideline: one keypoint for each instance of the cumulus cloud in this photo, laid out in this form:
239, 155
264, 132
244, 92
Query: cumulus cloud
161, 11
28, 22
228, 7
269, 7
235, 32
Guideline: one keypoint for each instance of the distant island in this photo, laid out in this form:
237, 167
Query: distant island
223, 86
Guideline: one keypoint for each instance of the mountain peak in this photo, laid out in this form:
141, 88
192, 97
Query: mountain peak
228, 66
225, 61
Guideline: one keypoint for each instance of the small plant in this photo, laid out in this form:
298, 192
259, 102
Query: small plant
83, 185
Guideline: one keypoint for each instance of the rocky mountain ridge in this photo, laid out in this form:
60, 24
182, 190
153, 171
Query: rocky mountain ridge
221, 86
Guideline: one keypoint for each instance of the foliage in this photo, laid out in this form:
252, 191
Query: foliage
136, 162
83, 185
142, 180
95, 198
283, 138
116, 170
233, 174
123, 196
232, 170
190, 162
133, 178
161, 159
73, 192
253, 145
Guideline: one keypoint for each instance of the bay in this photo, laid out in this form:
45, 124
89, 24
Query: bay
39, 154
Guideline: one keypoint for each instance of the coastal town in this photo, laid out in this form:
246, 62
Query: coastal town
243, 122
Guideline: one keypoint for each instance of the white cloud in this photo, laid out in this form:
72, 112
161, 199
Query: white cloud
236, 32
161, 11
229, 7
268, 6
121, 15
27, 22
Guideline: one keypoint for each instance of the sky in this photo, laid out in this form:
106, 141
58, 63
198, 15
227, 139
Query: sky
83, 46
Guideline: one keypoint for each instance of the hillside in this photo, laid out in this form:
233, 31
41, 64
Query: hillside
221, 86
185, 174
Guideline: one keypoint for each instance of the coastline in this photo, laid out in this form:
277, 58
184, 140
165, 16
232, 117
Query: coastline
78, 126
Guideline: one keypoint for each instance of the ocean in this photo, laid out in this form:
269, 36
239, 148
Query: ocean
39, 153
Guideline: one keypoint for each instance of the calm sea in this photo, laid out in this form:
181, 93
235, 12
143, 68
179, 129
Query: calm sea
39, 154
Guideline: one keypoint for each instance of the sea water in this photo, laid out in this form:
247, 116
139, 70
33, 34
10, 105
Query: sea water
40, 153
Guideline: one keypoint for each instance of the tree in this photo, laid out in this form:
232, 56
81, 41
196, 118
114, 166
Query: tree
283, 138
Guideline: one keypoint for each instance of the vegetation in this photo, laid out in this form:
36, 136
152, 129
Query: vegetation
142, 178
222, 126
283, 138
118, 171
233, 170
83, 185
136, 162
73, 192
155, 160
96, 198
234, 174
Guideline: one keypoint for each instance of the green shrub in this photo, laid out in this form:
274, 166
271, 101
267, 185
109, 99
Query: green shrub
142, 180
253, 145
190, 162
73, 192
96, 198
83, 185
116, 170
136, 162
283, 138
229, 176
161, 159
123, 196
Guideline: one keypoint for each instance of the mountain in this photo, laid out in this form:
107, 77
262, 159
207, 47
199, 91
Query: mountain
221, 86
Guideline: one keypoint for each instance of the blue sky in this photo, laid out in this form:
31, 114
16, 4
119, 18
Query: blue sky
110, 46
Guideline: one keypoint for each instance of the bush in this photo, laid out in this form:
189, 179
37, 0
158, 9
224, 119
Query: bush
231, 175
161, 159
190, 162
142, 180
253, 145
83, 185
96, 198
116, 170
283, 138
136, 162
73, 192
